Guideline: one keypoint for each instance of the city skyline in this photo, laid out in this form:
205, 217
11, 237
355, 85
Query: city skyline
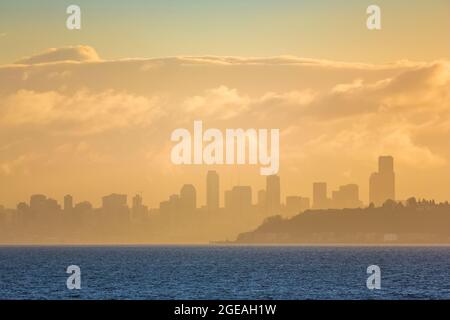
201, 152
337, 216
346, 196
116, 135
80, 114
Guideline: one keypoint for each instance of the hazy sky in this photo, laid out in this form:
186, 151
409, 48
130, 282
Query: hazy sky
94, 115
326, 29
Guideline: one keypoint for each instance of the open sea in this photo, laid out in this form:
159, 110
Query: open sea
224, 272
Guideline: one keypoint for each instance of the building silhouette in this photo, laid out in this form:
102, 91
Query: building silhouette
38, 202
295, 205
137, 202
212, 191
239, 199
273, 195
138, 210
115, 207
43, 208
68, 203
114, 201
84, 207
320, 197
346, 197
382, 183
171, 207
261, 201
188, 198
180, 218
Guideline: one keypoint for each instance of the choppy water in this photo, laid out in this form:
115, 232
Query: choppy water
210, 272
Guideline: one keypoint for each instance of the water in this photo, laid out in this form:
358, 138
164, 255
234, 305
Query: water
210, 272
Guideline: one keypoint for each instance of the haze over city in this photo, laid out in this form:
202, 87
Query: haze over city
224, 158
86, 115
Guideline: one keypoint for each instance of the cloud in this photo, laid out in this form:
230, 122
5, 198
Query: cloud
56, 70
67, 54
80, 114
19, 165
218, 103
118, 114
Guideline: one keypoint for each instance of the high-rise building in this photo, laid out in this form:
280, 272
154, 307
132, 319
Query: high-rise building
115, 206
273, 195
81, 211
386, 164
138, 210
83, 207
346, 197
188, 198
68, 203
43, 208
114, 201
320, 198
137, 201
382, 183
171, 206
239, 200
52, 205
261, 202
37, 202
212, 191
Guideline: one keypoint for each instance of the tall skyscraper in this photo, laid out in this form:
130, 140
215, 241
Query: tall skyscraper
212, 191
188, 198
68, 203
273, 195
320, 198
382, 183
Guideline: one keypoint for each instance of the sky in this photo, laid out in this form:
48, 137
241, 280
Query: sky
90, 112
325, 29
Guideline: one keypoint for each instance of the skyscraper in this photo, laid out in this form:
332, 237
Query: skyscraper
137, 201
212, 191
37, 202
114, 201
68, 203
116, 208
188, 198
239, 200
320, 198
138, 210
346, 197
273, 195
382, 183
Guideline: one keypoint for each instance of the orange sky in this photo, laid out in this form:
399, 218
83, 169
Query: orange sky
94, 119
92, 126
